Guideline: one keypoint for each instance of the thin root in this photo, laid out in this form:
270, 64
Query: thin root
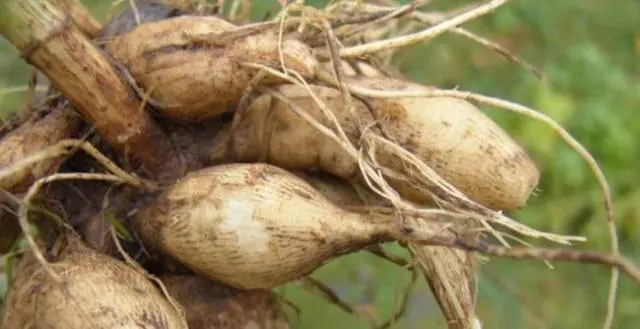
326, 293
380, 252
430, 33
552, 254
431, 19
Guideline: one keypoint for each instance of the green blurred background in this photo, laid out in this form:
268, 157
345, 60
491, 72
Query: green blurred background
590, 52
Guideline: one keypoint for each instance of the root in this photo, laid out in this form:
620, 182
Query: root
452, 278
16, 202
405, 10
9, 263
134, 9
289, 303
430, 33
380, 252
328, 294
112, 7
21, 89
316, 286
280, 37
551, 254
332, 33
379, 186
442, 192
431, 19
233, 11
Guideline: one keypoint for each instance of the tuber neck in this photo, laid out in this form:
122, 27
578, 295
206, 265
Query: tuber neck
375, 227
363, 229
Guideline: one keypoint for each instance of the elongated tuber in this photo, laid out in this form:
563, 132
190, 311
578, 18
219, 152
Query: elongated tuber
192, 65
255, 226
450, 135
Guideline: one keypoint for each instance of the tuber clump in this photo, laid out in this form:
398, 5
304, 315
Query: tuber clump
273, 148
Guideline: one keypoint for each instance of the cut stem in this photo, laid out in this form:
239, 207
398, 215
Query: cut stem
46, 39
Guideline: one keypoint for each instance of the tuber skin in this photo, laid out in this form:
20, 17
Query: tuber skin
96, 291
210, 305
333, 188
192, 65
265, 130
254, 226
452, 136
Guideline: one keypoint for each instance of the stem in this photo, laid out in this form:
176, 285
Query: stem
48, 41
551, 254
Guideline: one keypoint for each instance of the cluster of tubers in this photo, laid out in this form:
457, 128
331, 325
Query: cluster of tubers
271, 194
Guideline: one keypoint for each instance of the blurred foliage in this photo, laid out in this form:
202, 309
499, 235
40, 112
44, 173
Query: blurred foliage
589, 51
